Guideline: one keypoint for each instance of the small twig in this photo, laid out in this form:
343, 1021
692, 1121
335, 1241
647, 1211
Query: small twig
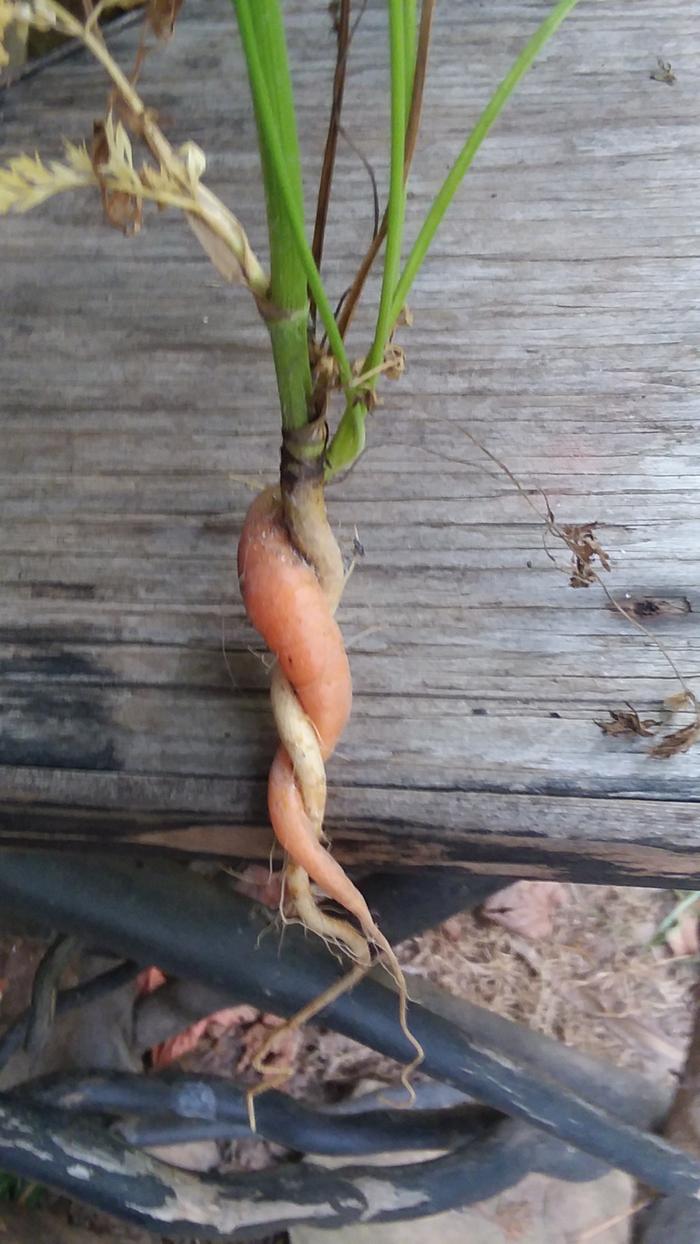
93, 13
141, 52
296, 1021
69, 1000
391, 362
375, 213
681, 1126
326, 178
412, 128
600, 1227
370, 173
560, 533
682, 1130
672, 960
416, 109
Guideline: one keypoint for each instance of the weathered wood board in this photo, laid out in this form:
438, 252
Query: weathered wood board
556, 322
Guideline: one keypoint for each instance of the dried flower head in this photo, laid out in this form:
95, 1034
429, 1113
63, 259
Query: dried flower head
26, 181
8, 17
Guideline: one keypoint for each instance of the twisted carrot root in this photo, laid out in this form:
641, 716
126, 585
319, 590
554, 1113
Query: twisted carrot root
311, 701
291, 604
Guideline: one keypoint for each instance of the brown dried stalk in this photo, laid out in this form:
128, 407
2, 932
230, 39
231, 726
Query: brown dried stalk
329, 154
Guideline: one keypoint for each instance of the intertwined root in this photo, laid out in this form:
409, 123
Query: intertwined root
291, 603
311, 700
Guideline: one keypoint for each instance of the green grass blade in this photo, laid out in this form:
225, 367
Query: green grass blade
410, 26
288, 279
454, 178
396, 209
673, 918
349, 438
270, 81
287, 201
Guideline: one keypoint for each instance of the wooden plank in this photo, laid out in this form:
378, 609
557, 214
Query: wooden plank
556, 322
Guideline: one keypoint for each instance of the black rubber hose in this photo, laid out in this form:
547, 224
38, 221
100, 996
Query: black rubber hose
47, 978
623, 1092
79, 1158
146, 1133
191, 927
69, 1000
279, 1117
672, 1220
406, 904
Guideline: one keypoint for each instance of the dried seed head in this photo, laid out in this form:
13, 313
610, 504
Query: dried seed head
7, 18
585, 547
194, 161
679, 700
26, 181
112, 159
40, 14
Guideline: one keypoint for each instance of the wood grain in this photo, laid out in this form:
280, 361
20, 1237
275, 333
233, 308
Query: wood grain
556, 322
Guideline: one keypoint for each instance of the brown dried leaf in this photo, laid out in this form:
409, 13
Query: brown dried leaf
629, 722
325, 371
526, 907
680, 700
220, 254
663, 72
99, 148
161, 16
123, 211
680, 741
256, 881
515, 1218
394, 362
585, 547
283, 1052
213, 1026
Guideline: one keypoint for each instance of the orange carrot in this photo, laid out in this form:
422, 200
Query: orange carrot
287, 606
311, 698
